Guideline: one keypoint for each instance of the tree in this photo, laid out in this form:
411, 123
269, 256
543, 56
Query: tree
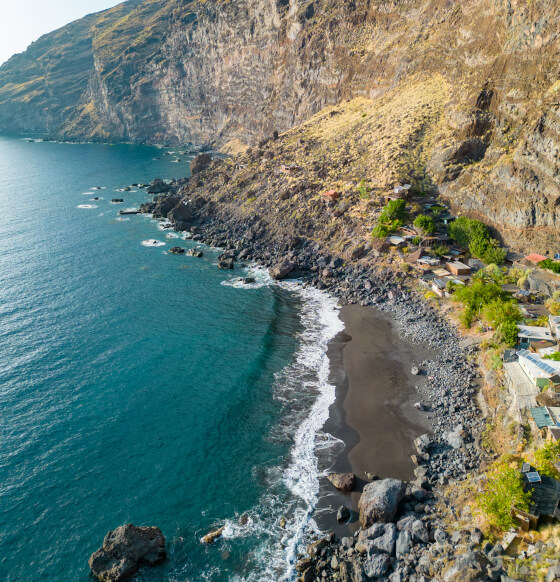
494, 253
547, 457
424, 225
390, 219
463, 230
507, 333
478, 246
498, 312
479, 294
504, 489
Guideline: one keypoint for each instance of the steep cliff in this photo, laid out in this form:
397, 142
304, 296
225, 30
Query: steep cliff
462, 97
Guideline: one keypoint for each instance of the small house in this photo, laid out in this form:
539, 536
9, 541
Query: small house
538, 370
527, 333
331, 195
545, 499
534, 259
396, 241
439, 287
542, 417
430, 262
458, 268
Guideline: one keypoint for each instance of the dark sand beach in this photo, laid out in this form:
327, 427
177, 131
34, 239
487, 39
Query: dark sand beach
374, 411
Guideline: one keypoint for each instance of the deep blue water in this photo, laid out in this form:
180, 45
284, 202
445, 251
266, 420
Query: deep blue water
135, 386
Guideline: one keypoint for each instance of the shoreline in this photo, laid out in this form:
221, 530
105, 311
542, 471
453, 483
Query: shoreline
445, 378
374, 413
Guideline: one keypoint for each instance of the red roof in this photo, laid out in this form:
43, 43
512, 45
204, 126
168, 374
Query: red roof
535, 258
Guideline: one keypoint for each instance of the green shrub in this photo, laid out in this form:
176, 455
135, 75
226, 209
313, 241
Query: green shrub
503, 490
479, 294
555, 357
381, 231
546, 458
365, 191
475, 236
553, 306
506, 333
551, 265
425, 225
390, 218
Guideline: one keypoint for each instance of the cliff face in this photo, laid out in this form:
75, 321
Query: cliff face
462, 97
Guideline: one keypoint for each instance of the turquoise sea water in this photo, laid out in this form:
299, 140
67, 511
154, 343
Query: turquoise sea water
139, 386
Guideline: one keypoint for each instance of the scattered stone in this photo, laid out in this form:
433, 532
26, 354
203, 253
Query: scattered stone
195, 253
177, 250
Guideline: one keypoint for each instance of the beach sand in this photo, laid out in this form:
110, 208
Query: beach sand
374, 411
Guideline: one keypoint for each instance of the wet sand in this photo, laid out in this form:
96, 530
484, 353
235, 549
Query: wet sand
374, 411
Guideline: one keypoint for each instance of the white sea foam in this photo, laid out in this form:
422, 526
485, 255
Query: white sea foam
307, 395
260, 274
87, 206
122, 218
88, 193
152, 242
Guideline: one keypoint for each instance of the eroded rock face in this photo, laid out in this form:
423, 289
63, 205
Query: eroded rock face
380, 500
125, 550
201, 162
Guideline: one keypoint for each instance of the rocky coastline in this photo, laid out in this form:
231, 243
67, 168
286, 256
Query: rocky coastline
412, 543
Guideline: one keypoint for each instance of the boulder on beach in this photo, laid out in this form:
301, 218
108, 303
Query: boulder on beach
380, 500
201, 162
282, 269
342, 481
125, 550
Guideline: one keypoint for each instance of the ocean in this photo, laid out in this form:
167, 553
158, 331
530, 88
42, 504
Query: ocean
145, 387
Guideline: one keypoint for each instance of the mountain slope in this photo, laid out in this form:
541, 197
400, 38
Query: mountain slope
468, 93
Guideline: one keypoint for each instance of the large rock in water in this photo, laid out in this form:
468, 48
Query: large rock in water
125, 550
282, 269
342, 481
380, 500
201, 162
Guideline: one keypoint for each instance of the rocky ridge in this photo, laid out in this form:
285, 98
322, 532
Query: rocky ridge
458, 97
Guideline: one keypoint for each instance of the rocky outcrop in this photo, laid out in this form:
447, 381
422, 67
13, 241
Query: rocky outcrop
386, 90
201, 162
380, 500
125, 550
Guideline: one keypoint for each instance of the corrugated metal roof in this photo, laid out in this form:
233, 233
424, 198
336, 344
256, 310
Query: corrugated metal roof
541, 417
